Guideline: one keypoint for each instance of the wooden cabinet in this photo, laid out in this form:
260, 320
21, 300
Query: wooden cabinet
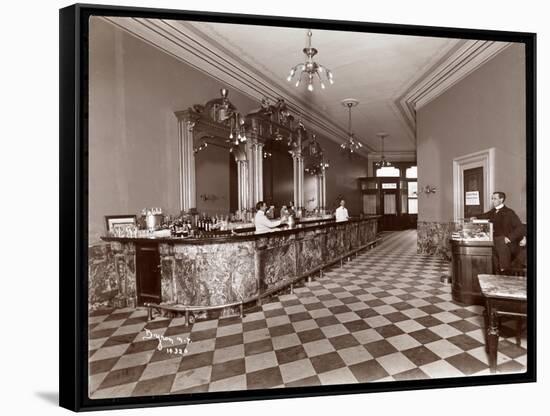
148, 273
470, 259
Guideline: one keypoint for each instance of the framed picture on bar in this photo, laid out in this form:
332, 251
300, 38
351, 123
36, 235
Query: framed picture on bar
113, 222
269, 269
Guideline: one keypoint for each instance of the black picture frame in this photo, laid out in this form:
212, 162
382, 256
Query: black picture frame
73, 258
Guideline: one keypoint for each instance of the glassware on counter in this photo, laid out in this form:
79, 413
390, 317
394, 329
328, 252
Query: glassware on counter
124, 231
153, 218
290, 221
476, 230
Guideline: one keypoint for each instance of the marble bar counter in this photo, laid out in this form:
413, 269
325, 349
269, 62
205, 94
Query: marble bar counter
235, 268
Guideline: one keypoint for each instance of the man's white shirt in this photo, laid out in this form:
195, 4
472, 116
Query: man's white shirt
264, 224
342, 214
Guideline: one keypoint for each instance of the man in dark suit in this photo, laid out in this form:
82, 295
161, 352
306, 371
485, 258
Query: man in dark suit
507, 230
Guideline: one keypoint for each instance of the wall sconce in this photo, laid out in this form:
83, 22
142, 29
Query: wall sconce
209, 197
201, 147
429, 189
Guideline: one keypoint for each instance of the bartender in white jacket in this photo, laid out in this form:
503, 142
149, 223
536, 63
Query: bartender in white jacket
342, 212
262, 223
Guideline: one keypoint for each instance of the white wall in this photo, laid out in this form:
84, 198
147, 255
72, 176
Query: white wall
486, 109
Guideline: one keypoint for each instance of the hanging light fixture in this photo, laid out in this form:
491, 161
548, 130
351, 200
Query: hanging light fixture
352, 144
237, 130
201, 147
324, 164
310, 68
382, 163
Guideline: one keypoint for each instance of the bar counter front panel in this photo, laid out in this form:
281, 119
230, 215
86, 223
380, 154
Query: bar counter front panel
236, 268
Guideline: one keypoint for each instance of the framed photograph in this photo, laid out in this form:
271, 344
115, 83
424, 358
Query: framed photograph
320, 186
112, 222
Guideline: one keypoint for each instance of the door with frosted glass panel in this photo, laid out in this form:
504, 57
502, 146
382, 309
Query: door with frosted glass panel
390, 204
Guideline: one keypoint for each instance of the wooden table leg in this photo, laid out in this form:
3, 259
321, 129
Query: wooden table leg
492, 338
486, 326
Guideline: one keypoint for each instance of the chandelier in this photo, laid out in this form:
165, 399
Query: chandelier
352, 143
317, 168
324, 164
382, 163
310, 68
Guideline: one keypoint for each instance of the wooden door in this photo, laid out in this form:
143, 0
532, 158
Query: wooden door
473, 192
371, 198
390, 205
148, 274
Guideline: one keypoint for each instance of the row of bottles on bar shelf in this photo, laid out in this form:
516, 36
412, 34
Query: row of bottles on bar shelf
205, 223
198, 225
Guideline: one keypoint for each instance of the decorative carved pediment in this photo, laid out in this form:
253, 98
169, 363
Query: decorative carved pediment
219, 120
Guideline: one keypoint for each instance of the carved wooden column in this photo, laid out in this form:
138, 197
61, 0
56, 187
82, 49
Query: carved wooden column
256, 171
186, 164
301, 202
259, 178
323, 190
318, 193
298, 165
243, 184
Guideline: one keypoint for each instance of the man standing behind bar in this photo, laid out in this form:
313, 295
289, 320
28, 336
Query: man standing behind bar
507, 230
262, 223
342, 212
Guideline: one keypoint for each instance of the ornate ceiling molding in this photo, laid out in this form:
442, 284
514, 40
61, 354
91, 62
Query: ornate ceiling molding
464, 58
185, 43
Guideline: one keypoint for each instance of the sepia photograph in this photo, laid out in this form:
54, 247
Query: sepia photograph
293, 208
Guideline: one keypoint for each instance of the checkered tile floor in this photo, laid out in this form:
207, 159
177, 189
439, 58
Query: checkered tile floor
382, 316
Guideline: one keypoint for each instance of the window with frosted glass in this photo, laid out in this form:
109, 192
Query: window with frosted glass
369, 204
411, 173
413, 206
390, 206
413, 197
388, 171
413, 189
